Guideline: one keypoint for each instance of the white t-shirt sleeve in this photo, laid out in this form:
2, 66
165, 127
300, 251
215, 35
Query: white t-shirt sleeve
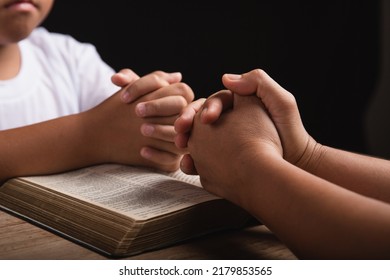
91, 75
94, 77
59, 76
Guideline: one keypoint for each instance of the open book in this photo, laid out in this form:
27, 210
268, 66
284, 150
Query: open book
121, 210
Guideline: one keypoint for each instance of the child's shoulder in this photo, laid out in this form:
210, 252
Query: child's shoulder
58, 48
56, 42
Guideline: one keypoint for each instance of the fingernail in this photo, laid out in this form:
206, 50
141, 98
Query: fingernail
140, 110
145, 153
127, 97
119, 74
176, 74
233, 76
147, 129
183, 166
203, 115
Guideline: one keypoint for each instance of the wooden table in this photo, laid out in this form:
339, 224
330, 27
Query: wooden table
22, 240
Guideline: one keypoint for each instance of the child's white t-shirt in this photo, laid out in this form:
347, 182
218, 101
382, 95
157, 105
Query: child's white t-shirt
59, 76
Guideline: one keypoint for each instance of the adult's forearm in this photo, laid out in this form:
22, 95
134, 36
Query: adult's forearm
316, 218
359, 173
52, 146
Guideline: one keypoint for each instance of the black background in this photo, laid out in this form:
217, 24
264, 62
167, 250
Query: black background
325, 52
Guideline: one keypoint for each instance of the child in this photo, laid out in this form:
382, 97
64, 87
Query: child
324, 203
52, 114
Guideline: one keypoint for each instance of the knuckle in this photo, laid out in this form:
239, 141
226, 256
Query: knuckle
181, 102
158, 73
184, 90
181, 87
292, 102
260, 73
134, 88
157, 78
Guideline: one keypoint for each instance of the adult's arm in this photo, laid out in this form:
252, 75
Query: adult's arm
314, 217
366, 175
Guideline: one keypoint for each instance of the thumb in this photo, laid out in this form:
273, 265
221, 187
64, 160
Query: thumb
279, 102
124, 77
174, 77
254, 82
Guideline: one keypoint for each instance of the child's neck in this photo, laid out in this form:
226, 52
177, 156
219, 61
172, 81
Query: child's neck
10, 61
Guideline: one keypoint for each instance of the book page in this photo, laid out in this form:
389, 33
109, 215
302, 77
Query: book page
136, 192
